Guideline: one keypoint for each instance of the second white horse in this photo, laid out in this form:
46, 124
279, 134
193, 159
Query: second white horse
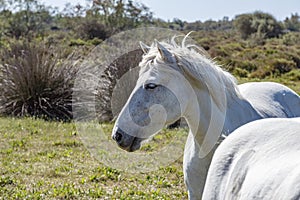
258, 161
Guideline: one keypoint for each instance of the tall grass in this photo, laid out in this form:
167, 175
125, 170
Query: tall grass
35, 81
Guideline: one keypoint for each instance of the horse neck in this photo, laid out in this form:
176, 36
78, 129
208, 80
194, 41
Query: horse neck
239, 112
205, 120
210, 121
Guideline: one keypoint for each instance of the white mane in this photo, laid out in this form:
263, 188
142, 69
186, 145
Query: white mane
195, 65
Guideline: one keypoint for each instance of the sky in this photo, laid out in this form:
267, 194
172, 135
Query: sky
193, 10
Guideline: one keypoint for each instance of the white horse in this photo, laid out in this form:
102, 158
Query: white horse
179, 81
260, 160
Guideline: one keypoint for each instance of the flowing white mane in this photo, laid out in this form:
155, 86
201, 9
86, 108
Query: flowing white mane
195, 64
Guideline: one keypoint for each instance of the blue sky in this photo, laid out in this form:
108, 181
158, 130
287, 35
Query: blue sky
192, 10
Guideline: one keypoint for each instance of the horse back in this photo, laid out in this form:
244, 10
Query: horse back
271, 99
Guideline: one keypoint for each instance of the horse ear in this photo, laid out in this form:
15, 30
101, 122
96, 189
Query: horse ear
165, 53
144, 47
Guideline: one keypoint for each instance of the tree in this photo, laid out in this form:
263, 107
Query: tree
243, 23
29, 17
292, 23
258, 23
120, 14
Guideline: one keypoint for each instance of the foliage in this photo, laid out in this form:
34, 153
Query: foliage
209, 25
258, 23
292, 23
29, 17
292, 38
34, 81
120, 14
91, 28
250, 60
266, 51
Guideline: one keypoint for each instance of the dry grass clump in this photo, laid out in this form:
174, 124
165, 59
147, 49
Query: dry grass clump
35, 81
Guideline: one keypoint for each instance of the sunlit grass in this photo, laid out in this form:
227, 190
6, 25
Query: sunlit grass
47, 160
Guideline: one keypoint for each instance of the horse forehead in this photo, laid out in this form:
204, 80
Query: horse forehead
159, 74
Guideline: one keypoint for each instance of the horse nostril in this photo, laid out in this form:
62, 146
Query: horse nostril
118, 137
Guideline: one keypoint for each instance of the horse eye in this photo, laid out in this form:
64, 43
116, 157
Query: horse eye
150, 86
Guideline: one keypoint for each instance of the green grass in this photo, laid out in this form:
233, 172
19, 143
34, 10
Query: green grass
47, 160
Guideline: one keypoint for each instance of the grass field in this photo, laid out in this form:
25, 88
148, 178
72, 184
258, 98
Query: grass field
47, 160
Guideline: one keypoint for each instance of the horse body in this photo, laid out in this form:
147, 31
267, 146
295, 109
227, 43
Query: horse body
175, 82
259, 160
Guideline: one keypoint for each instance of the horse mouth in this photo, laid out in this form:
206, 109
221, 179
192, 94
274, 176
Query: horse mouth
135, 145
127, 142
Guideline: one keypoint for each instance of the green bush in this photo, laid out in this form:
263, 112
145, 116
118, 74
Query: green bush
293, 75
34, 81
282, 65
262, 72
257, 25
240, 72
291, 38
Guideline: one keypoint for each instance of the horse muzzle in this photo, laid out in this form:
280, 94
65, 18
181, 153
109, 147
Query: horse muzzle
125, 141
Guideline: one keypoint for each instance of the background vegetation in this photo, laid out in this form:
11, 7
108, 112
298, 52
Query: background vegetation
38, 41
40, 53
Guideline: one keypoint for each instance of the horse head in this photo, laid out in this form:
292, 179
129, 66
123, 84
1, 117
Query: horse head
158, 99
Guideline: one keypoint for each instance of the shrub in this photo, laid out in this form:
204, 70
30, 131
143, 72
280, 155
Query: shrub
243, 23
293, 75
35, 81
262, 72
262, 24
282, 65
240, 72
77, 42
248, 66
291, 38
91, 28
256, 39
